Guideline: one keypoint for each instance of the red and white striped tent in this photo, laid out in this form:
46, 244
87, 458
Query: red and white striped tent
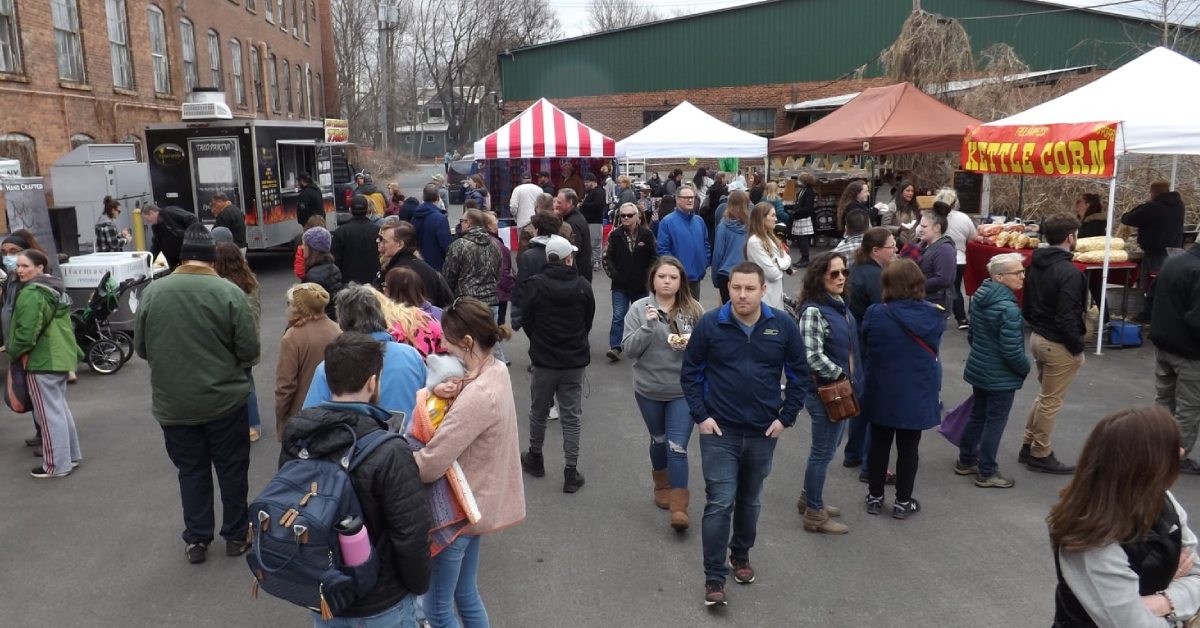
543, 130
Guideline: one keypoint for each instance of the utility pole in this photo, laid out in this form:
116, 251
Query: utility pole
389, 19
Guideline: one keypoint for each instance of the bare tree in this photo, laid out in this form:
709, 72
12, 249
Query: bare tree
1176, 21
458, 43
362, 86
607, 15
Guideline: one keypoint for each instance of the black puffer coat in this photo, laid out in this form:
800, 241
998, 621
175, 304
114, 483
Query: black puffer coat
629, 267
436, 290
328, 277
389, 488
556, 312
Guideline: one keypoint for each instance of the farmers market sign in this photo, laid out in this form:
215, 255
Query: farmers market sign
1050, 150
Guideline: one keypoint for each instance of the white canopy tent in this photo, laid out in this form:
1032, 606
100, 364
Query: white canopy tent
1154, 99
686, 131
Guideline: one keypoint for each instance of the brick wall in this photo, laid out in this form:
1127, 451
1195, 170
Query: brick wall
36, 103
620, 115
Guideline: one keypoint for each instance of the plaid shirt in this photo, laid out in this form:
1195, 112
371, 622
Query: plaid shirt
108, 238
813, 330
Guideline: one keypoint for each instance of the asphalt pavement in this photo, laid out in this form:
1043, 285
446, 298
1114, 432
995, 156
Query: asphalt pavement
102, 547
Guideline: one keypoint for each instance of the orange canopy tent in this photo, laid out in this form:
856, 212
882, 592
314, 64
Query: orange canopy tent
897, 119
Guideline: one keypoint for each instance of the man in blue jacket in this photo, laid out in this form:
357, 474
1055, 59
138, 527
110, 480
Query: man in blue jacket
730, 378
684, 236
433, 230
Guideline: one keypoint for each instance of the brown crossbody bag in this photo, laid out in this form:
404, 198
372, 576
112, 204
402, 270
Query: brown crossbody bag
838, 397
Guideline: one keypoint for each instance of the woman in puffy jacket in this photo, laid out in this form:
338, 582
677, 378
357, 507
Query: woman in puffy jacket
996, 368
901, 337
42, 338
319, 267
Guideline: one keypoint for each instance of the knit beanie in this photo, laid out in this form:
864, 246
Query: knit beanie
440, 367
318, 239
222, 234
308, 299
198, 245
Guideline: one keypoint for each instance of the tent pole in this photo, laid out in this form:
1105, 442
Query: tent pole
1108, 230
1020, 196
985, 203
1174, 169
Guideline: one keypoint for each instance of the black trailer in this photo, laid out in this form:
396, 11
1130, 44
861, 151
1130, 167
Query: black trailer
254, 162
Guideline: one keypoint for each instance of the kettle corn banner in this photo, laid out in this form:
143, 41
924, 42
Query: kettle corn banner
1049, 150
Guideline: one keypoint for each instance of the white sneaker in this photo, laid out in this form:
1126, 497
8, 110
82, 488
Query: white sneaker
553, 412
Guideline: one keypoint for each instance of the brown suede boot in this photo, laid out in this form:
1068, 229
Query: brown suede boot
679, 508
820, 521
662, 489
801, 504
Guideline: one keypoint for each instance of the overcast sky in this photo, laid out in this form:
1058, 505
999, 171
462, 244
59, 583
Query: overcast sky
573, 13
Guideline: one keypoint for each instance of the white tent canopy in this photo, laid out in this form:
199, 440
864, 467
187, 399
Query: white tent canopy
686, 131
1155, 98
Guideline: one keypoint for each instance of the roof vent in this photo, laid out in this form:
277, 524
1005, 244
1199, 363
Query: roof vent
206, 103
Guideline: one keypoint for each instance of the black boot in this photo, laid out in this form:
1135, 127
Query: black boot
572, 480
1023, 455
533, 464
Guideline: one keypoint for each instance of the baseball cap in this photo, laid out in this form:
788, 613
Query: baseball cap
559, 247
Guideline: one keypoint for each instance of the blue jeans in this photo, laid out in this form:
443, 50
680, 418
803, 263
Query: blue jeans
981, 437
452, 585
252, 403
398, 616
858, 440
735, 466
825, 438
620, 303
670, 425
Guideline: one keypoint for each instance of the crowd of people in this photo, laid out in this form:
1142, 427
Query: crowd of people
397, 324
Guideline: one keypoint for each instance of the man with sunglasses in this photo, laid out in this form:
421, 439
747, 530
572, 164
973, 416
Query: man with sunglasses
684, 236
627, 260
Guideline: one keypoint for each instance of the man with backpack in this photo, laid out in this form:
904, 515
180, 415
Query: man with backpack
386, 481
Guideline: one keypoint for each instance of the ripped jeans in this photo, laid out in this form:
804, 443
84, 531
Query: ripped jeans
670, 425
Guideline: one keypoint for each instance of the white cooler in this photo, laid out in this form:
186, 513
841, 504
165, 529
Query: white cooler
85, 271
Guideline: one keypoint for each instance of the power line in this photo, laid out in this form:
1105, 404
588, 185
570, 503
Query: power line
1028, 13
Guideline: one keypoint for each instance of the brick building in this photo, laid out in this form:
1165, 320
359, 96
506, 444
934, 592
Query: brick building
79, 71
746, 64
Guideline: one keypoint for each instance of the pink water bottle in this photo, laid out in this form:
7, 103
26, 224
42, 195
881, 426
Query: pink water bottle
352, 538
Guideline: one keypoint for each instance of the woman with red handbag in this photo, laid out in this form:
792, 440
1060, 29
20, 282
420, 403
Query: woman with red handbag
901, 337
831, 349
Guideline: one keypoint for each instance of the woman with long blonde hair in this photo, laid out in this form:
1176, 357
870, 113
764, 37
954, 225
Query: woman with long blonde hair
657, 328
410, 325
765, 249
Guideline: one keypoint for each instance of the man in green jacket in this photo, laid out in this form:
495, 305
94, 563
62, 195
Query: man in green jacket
198, 334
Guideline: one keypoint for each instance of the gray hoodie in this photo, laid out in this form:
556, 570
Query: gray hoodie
656, 365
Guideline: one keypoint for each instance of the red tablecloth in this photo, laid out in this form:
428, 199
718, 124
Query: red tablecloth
978, 256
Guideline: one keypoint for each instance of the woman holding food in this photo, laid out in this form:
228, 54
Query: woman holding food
657, 328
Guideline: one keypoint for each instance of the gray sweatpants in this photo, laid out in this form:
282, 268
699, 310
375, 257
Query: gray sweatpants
60, 443
1177, 383
566, 385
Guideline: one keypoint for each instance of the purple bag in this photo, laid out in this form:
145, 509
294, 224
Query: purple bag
955, 421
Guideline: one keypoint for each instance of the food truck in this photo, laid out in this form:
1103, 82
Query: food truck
255, 162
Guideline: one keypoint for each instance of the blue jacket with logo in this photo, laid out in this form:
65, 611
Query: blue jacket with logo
734, 377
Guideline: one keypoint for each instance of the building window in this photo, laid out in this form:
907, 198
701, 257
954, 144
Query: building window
214, 60
187, 39
118, 44
435, 113
22, 148
282, 16
66, 40
137, 145
756, 121
295, 21
287, 85
429, 138
268, 7
10, 44
304, 19
310, 111
81, 139
235, 61
256, 78
158, 50
320, 98
299, 92
649, 117
408, 138
252, 6
273, 78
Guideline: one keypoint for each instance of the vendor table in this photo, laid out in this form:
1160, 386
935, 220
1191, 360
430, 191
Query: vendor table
979, 254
